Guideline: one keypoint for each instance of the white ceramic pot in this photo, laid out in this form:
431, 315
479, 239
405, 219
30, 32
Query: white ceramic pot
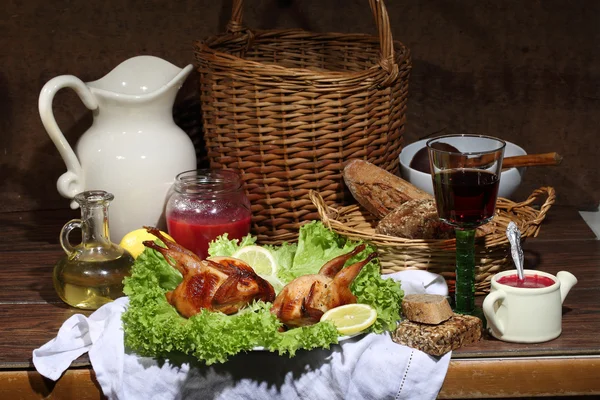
133, 149
527, 315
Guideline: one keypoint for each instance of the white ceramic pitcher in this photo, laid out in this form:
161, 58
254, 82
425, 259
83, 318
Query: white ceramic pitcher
133, 149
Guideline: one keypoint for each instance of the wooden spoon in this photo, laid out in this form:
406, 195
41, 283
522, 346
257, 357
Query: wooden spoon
530, 160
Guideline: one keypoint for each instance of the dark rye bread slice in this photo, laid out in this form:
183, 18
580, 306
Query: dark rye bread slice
437, 340
430, 309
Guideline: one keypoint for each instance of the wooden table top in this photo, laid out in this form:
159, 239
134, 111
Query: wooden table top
31, 312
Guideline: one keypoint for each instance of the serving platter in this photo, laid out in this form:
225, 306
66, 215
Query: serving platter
340, 340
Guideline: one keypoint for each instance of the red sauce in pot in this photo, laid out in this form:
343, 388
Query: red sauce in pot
529, 281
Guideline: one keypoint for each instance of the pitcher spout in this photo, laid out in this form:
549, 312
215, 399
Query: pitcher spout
178, 80
140, 78
567, 281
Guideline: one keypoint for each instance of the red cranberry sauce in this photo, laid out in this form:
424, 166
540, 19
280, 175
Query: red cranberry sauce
529, 281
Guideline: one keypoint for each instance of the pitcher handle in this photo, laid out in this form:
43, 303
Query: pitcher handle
71, 182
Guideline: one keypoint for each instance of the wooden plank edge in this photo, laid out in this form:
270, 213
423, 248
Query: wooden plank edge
78, 384
502, 378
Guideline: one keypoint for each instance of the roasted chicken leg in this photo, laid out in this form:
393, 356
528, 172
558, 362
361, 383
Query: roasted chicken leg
222, 284
303, 301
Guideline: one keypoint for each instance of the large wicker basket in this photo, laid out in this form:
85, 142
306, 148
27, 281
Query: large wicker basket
492, 251
289, 107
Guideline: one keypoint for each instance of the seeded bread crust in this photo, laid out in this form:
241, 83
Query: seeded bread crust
437, 340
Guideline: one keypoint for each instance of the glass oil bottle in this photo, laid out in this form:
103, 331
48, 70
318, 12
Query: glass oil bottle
91, 273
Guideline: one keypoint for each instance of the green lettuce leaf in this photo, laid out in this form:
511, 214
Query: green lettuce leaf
284, 255
223, 247
385, 295
316, 246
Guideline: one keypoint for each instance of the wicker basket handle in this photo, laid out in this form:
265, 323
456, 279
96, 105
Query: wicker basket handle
319, 203
550, 199
382, 21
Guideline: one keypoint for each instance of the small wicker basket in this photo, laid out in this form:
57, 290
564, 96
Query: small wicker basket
288, 107
492, 251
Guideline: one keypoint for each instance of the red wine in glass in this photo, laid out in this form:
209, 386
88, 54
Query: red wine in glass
465, 183
466, 198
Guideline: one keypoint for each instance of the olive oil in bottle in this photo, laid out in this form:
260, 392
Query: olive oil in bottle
91, 273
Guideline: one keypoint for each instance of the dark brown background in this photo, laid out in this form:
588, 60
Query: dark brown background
527, 71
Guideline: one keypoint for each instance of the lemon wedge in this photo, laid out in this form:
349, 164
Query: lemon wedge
262, 262
351, 318
260, 259
133, 241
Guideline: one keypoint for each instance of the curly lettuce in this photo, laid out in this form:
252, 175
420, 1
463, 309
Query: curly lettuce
154, 328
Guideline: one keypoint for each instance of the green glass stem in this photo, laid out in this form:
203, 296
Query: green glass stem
464, 295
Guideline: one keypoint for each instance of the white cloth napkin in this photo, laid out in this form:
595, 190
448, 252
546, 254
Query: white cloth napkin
418, 282
364, 367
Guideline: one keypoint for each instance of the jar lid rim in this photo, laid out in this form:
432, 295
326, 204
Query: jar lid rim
216, 181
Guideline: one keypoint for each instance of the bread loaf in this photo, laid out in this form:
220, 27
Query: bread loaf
426, 308
415, 219
382, 193
437, 340
377, 190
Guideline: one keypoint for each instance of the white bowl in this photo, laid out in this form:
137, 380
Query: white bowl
510, 179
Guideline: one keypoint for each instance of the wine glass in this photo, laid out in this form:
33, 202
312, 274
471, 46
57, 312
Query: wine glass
465, 170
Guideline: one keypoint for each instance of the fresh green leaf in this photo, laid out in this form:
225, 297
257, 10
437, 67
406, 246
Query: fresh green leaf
316, 246
385, 295
223, 247
284, 255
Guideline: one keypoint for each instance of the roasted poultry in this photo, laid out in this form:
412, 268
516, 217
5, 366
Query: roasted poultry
222, 284
304, 300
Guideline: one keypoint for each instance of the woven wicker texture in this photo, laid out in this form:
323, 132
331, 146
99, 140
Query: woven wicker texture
288, 108
492, 251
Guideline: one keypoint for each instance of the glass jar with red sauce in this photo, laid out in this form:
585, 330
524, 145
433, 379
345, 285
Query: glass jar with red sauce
205, 204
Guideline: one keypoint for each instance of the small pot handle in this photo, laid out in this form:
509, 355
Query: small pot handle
71, 182
490, 313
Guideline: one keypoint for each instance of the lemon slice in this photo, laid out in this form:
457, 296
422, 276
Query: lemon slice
132, 242
262, 262
351, 318
260, 259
